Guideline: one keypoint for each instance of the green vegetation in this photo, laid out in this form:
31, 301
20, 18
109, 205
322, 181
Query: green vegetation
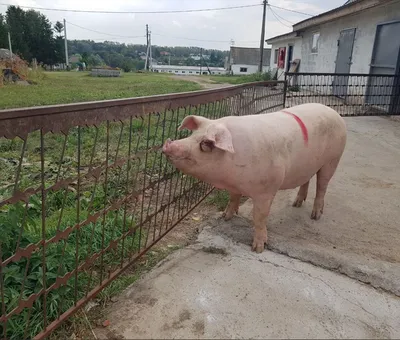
73, 87
33, 35
219, 198
99, 224
128, 57
233, 79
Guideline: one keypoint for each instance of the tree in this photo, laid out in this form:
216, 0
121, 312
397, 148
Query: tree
59, 28
3, 32
15, 18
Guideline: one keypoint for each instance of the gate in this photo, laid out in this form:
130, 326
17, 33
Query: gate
366, 94
85, 192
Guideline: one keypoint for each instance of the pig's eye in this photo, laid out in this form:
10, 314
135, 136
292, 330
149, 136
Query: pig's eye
206, 146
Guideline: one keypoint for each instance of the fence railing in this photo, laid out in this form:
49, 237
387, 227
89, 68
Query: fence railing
85, 191
349, 94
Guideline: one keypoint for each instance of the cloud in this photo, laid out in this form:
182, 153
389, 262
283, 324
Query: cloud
176, 23
213, 29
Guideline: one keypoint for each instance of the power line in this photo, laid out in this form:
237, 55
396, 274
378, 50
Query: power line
111, 35
274, 14
291, 10
203, 40
135, 12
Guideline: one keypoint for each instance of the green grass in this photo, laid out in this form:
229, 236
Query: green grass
24, 223
73, 87
233, 79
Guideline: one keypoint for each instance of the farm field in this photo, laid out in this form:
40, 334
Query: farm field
53, 88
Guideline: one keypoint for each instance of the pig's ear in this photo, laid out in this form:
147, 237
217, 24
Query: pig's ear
221, 137
192, 122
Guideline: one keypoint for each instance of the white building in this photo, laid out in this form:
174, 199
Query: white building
362, 36
188, 70
245, 60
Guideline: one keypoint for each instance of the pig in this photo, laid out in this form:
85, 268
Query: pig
258, 155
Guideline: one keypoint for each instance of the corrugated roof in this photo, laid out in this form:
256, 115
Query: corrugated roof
6, 54
249, 56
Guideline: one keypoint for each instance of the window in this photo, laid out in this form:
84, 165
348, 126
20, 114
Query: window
190, 72
197, 72
243, 69
183, 71
176, 71
170, 71
315, 42
276, 56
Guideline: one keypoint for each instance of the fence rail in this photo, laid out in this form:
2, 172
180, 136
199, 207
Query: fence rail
349, 94
85, 191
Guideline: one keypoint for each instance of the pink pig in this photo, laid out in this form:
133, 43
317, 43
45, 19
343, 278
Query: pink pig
258, 155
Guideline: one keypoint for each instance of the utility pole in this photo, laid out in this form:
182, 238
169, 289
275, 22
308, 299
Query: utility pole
201, 59
147, 46
66, 44
260, 67
151, 56
9, 46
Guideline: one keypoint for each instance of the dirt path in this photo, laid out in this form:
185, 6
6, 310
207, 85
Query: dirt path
205, 82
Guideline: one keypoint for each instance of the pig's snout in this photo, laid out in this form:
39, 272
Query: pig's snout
167, 146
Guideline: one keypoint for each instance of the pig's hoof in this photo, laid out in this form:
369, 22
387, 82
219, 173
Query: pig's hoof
228, 214
316, 214
258, 245
298, 202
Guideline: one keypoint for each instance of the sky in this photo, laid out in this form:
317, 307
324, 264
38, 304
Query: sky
210, 30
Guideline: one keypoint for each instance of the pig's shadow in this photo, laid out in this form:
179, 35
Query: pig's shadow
238, 229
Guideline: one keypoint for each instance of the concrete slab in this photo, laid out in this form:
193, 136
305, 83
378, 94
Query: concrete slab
217, 288
359, 233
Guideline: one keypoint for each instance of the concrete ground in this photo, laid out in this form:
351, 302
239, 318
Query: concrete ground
218, 288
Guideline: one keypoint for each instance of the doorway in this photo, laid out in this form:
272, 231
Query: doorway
343, 62
383, 91
290, 58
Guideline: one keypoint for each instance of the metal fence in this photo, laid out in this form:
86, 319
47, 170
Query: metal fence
85, 191
349, 94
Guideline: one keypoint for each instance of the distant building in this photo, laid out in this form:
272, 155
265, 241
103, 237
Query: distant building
246, 60
164, 53
187, 70
74, 59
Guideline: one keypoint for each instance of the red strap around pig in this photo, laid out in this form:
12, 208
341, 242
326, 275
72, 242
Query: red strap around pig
302, 125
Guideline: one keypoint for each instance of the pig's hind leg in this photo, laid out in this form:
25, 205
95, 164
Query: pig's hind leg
301, 195
324, 175
232, 207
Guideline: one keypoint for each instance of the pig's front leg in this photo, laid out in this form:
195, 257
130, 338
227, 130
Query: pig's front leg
232, 207
261, 209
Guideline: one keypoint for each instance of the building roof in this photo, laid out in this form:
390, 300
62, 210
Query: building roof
281, 37
350, 7
249, 56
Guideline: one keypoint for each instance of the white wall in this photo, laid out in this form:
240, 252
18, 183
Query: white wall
365, 24
250, 69
297, 50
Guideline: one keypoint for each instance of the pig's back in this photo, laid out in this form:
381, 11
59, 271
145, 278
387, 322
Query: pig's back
274, 142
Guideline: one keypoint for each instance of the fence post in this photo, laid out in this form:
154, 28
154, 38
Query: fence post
285, 90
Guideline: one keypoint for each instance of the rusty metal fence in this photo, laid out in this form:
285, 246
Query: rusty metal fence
85, 191
348, 94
